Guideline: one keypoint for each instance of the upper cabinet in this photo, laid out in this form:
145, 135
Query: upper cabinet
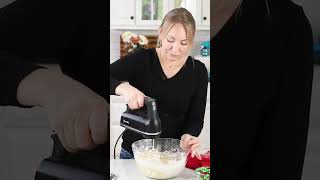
148, 14
194, 6
122, 12
205, 12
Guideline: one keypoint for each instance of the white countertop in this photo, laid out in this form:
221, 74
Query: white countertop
126, 169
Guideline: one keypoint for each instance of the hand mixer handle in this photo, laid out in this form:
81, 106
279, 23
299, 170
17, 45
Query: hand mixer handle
151, 106
153, 118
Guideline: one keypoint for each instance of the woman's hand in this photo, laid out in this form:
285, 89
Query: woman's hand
78, 115
80, 121
191, 143
134, 96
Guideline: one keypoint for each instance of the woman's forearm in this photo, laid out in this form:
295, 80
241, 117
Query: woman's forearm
122, 89
42, 87
35, 88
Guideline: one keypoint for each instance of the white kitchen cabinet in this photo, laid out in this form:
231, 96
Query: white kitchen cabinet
200, 10
205, 12
122, 12
150, 12
194, 6
117, 107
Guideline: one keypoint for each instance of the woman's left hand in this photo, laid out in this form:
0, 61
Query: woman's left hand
192, 143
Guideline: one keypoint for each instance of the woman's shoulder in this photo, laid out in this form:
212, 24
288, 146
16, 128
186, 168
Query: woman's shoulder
293, 21
292, 10
197, 66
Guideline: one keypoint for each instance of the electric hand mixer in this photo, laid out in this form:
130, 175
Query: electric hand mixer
144, 121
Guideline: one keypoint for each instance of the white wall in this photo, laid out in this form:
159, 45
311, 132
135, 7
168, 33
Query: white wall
5, 2
312, 10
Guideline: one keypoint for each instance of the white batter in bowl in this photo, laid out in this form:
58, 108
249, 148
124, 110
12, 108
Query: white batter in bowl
161, 159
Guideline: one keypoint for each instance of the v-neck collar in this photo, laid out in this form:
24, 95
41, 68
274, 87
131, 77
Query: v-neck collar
158, 68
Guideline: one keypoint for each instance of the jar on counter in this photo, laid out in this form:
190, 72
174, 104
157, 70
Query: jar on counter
204, 51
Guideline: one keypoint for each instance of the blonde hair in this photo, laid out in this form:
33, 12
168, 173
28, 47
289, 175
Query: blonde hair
182, 16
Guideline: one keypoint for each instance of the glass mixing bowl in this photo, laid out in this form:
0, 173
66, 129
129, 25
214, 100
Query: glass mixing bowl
161, 158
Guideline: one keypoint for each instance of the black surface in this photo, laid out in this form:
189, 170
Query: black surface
94, 164
49, 170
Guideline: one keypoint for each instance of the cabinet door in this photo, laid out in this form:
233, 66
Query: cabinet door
194, 6
122, 12
150, 12
205, 12
117, 107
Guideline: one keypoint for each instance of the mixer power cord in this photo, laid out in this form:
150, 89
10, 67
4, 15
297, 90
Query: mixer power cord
114, 149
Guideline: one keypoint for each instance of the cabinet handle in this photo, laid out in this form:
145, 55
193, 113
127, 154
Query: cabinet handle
204, 18
131, 17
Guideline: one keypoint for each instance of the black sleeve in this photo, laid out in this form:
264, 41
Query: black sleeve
36, 28
12, 70
113, 85
292, 115
85, 57
197, 106
123, 70
93, 73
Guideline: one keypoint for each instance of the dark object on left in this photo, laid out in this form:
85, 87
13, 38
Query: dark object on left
93, 165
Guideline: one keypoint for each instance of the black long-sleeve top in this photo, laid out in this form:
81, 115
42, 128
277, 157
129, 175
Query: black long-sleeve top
73, 32
181, 99
263, 69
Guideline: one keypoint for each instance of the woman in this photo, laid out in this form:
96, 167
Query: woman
177, 82
262, 86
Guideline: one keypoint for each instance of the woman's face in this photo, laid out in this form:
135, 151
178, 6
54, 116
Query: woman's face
175, 44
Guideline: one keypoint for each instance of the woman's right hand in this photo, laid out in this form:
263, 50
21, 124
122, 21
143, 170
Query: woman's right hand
133, 95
